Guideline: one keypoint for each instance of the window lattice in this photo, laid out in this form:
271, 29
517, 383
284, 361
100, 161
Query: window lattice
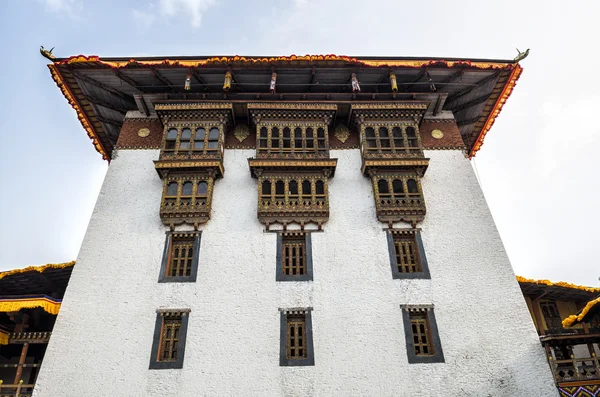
293, 255
551, 314
169, 341
407, 253
289, 139
296, 337
420, 332
180, 260
391, 139
192, 140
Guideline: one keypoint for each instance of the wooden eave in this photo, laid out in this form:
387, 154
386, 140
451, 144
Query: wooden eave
418, 165
325, 165
205, 165
102, 90
48, 280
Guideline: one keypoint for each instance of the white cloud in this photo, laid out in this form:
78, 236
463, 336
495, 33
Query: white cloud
71, 8
185, 10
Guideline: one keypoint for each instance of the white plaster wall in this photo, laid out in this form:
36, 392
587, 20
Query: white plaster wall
102, 339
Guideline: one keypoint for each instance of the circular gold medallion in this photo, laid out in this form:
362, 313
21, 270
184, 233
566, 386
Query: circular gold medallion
143, 132
437, 134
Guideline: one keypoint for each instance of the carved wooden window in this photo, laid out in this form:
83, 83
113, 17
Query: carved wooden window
391, 139
290, 190
296, 338
192, 139
310, 139
551, 315
400, 189
421, 335
186, 196
294, 256
422, 341
169, 339
180, 258
407, 254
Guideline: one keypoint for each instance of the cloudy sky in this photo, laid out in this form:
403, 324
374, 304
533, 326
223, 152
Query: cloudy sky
537, 166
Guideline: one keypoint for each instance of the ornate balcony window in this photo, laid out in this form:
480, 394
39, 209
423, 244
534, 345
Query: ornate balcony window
292, 162
191, 158
300, 140
192, 140
392, 155
390, 139
398, 197
297, 198
186, 198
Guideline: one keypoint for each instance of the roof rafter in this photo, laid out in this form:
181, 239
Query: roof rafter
103, 103
127, 79
472, 102
466, 90
101, 85
162, 79
421, 74
109, 121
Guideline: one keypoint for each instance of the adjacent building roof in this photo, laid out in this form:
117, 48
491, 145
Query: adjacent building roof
557, 290
102, 90
47, 279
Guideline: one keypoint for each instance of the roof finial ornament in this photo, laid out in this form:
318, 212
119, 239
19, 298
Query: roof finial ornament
521, 56
47, 54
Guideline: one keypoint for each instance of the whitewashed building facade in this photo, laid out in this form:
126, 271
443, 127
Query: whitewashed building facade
302, 226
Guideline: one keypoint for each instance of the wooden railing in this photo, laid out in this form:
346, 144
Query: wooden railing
18, 390
29, 337
575, 369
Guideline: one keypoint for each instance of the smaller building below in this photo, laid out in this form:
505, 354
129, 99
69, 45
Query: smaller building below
30, 299
567, 318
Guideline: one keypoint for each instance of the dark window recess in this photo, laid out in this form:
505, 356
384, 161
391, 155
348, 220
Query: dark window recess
180, 257
551, 315
168, 346
422, 340
407, 254
294, 257
296, 338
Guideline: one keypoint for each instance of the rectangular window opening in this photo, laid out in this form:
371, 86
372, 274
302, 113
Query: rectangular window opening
180, 257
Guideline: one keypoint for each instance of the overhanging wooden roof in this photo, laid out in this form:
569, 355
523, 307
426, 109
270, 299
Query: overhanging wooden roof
47, 279
102, 90
557, 290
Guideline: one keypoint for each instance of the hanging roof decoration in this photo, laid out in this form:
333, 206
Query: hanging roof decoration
102, 90
562, 284
16, 303
590, 308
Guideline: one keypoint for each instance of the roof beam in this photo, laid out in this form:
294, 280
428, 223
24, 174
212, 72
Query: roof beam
127, 79
162, 79
101, 85
470, 88
199, 78
313, 79
453, 77
103, 103
468, 121
141, 104
471, 103
109, 121
421, 74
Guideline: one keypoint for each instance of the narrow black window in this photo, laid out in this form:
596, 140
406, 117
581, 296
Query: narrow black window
294, 257
168, 346
213, 138
199, 139
296, 338
184, 141
275, 139
370, 138
310, 138
422, 340
320, 191
263, 139
298, 139
279, 190
180, 257
407, 254
384, 137
171, 139
287, 140
266, 190
412, 137
398, 137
